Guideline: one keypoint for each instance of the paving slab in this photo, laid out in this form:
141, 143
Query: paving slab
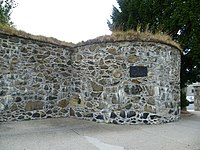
73, 134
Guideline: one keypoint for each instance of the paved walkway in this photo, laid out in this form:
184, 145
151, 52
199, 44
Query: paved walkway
72, 134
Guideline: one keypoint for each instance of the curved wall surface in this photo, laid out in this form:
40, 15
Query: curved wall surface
124, 82
127, 82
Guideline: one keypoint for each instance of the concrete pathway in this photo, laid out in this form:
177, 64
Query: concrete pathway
72, 134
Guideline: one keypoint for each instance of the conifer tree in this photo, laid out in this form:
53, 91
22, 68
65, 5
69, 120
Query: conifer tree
178, 18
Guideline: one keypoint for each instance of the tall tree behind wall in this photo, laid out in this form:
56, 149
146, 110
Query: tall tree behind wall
178, 18
6, 7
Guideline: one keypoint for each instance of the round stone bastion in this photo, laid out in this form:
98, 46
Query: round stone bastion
127, 82
122, 78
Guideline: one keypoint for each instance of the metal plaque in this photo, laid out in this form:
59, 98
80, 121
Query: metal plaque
138, 71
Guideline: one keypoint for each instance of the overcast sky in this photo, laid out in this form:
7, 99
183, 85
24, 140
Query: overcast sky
68, 20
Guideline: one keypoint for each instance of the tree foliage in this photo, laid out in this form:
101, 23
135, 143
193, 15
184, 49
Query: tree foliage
178, 18
6, 7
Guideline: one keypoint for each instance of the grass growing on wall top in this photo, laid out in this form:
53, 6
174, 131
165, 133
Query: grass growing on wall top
114, 37
145, 36
135, 35
5, 29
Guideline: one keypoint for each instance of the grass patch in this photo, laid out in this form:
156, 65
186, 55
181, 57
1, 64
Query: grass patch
134, 36
114, 37
5, 29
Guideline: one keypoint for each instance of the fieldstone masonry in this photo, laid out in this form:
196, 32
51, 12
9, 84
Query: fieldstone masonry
89, 81
34, 78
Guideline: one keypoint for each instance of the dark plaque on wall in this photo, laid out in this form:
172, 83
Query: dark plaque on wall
138, 71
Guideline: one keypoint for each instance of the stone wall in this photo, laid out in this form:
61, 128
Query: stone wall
121, 82
109, 94
34, 76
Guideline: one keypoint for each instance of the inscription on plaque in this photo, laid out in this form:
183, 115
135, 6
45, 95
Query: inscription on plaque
138, 71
